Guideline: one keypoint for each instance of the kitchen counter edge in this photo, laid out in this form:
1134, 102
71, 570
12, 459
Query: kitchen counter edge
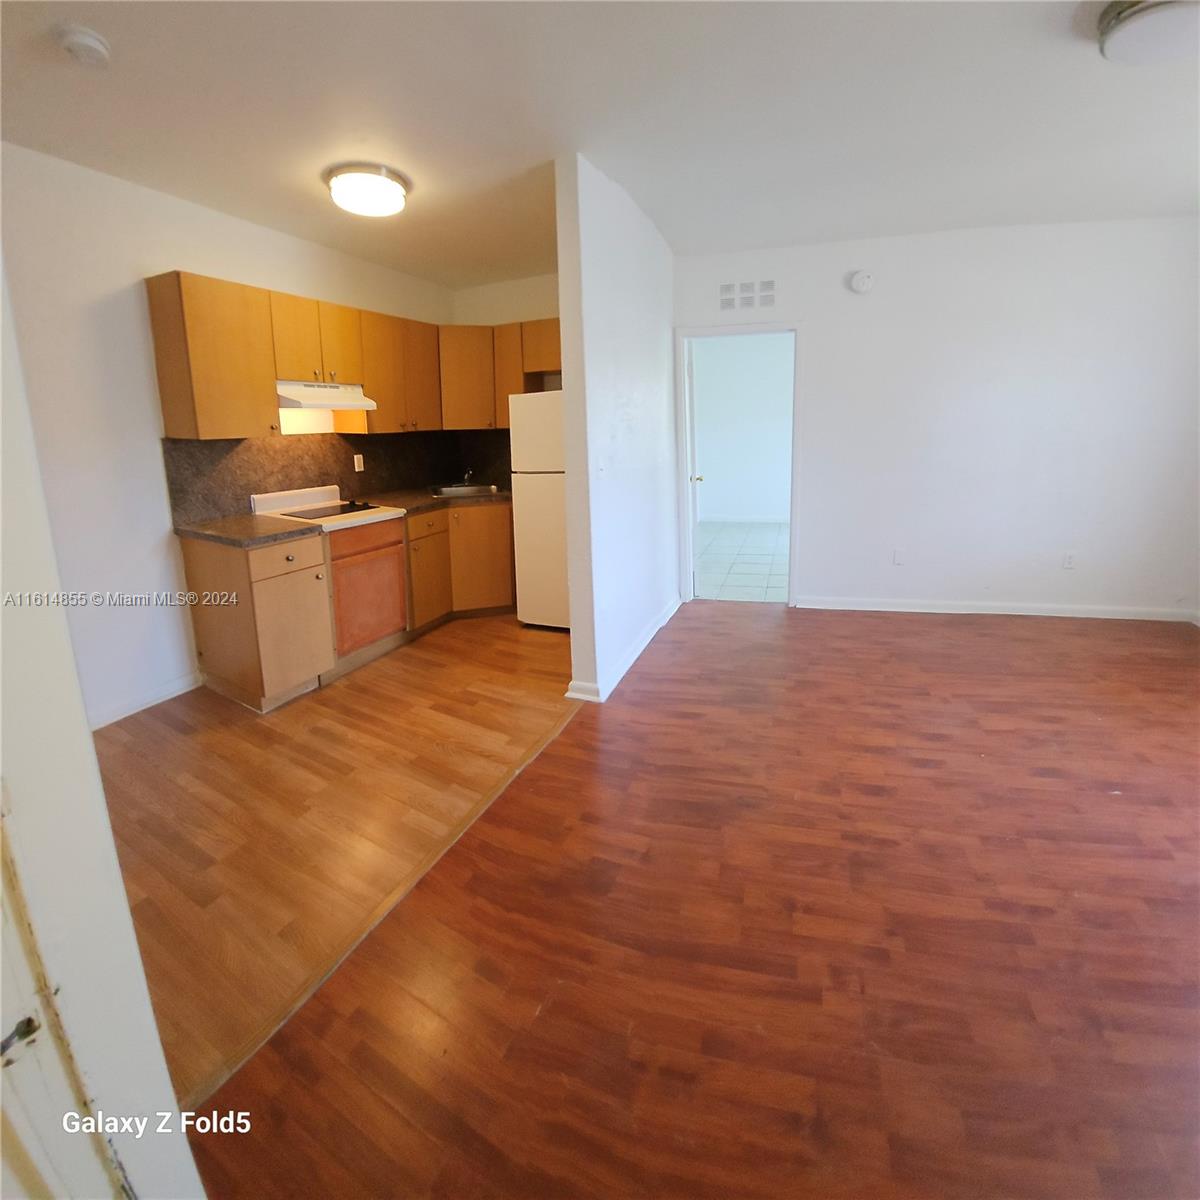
248, 530
417, 502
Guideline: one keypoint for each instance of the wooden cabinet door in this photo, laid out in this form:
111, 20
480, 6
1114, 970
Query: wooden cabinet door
383, 372
212, 347
368, 597
509, 368
481, 556
429, 558
468, 377
541, 346
295, 637
341, 342
296, 326
422, 375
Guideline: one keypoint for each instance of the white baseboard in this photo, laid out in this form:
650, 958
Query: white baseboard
579, 690
998, 607
637, 646
126, 708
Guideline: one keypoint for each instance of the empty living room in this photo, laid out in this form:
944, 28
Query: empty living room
601, 601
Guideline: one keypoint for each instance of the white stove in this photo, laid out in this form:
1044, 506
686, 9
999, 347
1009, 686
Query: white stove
322, 507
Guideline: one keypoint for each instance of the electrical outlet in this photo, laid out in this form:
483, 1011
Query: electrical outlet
897, 558
1069, 561
358, 463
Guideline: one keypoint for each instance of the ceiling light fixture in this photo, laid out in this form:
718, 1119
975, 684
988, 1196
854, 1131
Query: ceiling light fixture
367, 189
1142, 32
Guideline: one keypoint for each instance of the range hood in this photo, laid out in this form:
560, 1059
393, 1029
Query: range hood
341, 397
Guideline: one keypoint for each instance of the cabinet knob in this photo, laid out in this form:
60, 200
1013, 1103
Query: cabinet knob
274, 426
416, 549
414, 424
316, 373
491, 424
320, 575
290, 558
333, 377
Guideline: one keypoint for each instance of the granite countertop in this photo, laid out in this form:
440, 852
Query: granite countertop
418, 500
246, 530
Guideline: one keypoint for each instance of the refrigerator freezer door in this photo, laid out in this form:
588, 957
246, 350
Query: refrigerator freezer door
540, 544
536, 427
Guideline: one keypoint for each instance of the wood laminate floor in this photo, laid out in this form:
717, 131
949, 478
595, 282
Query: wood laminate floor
841, 906
257, 850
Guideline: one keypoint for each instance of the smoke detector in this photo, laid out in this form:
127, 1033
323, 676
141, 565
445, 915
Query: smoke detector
84, 45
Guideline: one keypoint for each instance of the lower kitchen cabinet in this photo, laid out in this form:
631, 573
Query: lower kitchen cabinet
429, 561
369, 584
291, 617
263, 627
481, 556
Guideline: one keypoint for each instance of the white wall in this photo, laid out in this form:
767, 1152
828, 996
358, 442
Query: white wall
742, 390
615, 275
1003, 397
77, 246
499, 303
57, 832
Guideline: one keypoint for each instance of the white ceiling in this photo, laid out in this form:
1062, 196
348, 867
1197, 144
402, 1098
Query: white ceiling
734, 125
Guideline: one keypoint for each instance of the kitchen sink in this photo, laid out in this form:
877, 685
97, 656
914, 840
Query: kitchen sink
465, 489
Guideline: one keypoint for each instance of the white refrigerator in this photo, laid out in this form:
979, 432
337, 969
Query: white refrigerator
539, 508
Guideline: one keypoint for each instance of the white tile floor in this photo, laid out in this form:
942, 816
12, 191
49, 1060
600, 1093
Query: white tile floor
738, 560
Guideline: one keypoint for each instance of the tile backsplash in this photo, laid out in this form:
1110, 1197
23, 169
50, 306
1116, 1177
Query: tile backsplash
209, 479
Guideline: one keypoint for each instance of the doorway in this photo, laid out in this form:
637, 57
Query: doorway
740, 399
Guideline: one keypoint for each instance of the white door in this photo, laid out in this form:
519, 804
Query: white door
540, 545
536, 428
40, 1082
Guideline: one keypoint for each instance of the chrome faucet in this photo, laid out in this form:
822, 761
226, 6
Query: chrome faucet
467, 476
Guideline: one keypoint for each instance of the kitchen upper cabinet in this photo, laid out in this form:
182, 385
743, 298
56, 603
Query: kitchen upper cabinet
468, 377
422, 375
508, 368
316, 341
341, 343
540, 345
481, 556
401, 374
429, 558
296, 328
213, 354
383, 372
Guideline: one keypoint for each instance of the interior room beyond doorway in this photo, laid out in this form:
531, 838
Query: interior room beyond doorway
741, 398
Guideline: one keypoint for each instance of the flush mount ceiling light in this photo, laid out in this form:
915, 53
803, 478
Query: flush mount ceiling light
367, 189
1141, 32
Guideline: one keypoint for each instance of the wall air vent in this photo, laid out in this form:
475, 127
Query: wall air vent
747, 294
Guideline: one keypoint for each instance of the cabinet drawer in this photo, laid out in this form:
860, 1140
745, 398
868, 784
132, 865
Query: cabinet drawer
361, 539
423, 524
268, 561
